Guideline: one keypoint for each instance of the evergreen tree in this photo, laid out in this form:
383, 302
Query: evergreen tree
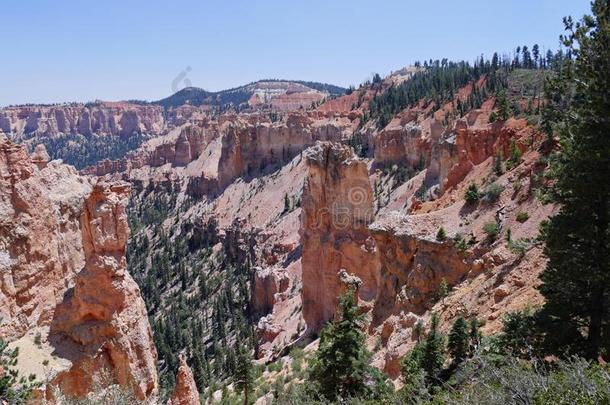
459, 340
441, 235
549, 59
495, 61
514, 154
341, 368
443, 289
536, 54
576, 281
527, 59
413, 375
244, 376
499, 163
286, 203
502, 105
432, 358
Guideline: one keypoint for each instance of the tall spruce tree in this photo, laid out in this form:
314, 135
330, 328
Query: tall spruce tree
244, 375
502, 105
576, 281
459, 340
432, 358
341, 368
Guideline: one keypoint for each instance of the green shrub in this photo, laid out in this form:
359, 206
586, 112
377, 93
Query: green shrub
492, 230
14, 389
472, 193
275, 367
518, 247
460, 243
493, 191
522, 216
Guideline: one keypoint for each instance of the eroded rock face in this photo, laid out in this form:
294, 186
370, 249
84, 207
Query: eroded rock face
40, 237
102, 323
403, 141
412, 267
178, 148
470, 146
62, 256
40, 157
104, 118
186, 392
249, 147
337, 207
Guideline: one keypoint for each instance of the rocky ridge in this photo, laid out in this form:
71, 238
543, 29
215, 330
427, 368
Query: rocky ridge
103, 118
64, 275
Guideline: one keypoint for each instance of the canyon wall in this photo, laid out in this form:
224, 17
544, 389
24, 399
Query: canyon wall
250, 147
104, 118
40, 236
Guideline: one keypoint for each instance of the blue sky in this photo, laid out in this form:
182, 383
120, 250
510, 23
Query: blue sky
55, 51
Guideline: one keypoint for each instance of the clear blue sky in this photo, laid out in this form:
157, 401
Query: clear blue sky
54, 51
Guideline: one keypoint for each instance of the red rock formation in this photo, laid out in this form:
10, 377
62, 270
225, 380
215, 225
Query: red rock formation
472, 145
40, 238
102, 118
102, 323
40, 156
250, 147
179, 147
62, 256
337, 207
413, 264
185, 392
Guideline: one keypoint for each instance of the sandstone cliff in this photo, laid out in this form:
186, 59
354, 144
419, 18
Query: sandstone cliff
102, 323
62, 256
40, 237
337, 208
104, 118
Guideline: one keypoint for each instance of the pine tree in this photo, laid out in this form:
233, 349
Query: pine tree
341, 368
499, 163
413, 375
244, 377
536, 54
286, 203
458, 340
432, 353
514, 154
502, 105
576, 281
441, 235
495, 61
443, 289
